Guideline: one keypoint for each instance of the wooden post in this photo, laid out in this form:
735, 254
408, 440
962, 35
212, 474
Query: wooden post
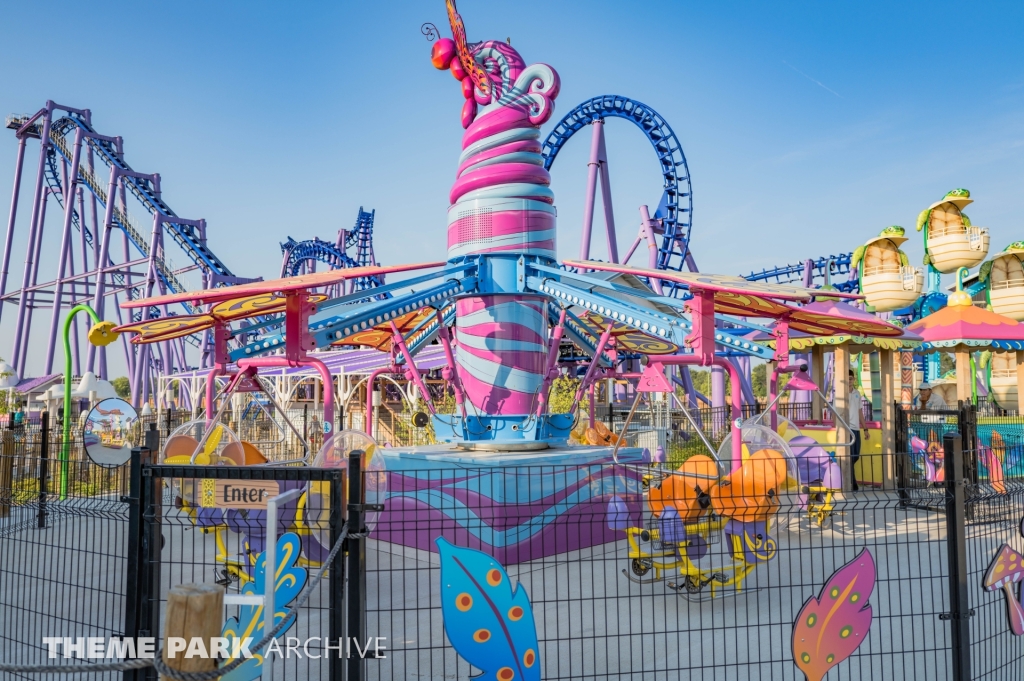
906, 378
1020, 381
841, 381
889, 396
963, 374
6, 473
818, 376
193, 611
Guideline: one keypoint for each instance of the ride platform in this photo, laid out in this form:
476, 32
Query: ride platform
515, 505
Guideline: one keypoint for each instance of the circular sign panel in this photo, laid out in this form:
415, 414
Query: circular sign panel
111, 429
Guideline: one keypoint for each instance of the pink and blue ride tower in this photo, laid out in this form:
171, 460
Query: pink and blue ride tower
502, 215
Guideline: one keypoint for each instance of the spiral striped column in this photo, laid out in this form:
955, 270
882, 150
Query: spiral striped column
501, 206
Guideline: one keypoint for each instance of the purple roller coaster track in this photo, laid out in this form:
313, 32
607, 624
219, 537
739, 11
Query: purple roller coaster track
107, 252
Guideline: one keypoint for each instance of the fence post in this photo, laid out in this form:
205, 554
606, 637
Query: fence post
305, 422
900, 451
44, 469
6, 474
193, 611
336, 595
956, 549
152, 544
152, 442
133, 582
356, 602
168, 412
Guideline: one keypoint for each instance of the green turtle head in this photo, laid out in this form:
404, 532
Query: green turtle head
893, 230
958, 194
1015, 246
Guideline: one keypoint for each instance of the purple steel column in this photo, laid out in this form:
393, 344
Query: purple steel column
65, 247
76, 358
717, 387
142, 363
95, 218
129, 357
593, 168
606, 197
97, 301
83, 226
18, 165
30, 307
44, 142
647, 229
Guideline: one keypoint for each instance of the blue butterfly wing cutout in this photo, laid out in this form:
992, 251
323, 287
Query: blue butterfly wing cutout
490, 624
249, 624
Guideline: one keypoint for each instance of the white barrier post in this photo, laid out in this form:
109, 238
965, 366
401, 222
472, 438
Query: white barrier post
270, 570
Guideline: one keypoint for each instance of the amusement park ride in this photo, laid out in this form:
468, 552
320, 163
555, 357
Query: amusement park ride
510, 302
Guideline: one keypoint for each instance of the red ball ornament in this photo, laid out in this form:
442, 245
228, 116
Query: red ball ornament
442, 53
457, 70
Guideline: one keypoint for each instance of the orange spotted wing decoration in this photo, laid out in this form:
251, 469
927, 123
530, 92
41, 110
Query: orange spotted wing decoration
297, 283
167, 328
469, 64
627, 337
380, 336
266, 303
488, 622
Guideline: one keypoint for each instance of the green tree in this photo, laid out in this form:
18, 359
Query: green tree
563, 390
8, 398
759, 381
122, 387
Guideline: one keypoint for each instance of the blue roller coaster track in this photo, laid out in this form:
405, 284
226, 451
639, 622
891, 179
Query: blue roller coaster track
815, 272
302, 256
185, 235
675, 210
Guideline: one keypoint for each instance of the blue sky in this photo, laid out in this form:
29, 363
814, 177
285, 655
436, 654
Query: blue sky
808, 127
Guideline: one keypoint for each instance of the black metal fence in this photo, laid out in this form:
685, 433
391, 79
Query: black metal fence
619, 594
63, 545
630, 571
179, 535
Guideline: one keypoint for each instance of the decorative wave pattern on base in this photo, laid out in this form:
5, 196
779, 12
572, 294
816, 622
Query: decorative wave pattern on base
516, 516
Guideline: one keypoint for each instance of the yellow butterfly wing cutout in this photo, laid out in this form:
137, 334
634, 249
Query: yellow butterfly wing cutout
205, 457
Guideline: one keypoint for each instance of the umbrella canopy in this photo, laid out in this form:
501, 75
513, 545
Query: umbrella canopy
963, 323
865, 330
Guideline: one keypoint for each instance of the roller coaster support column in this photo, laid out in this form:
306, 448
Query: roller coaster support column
36, 259
37, 202
97, 300
138, 384
717, 387
71, 187
647, 232
598, 167
18, 165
